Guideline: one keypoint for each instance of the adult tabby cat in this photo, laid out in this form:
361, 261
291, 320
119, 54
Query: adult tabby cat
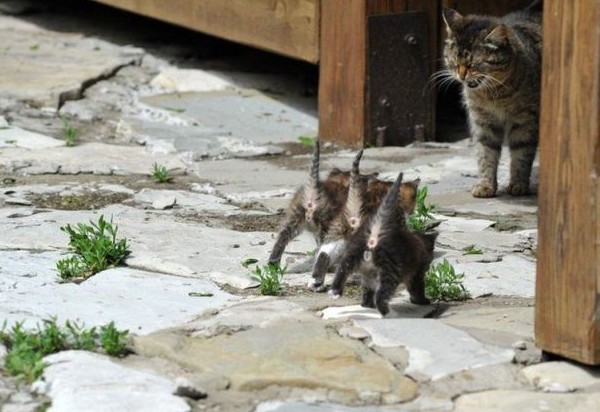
497, 60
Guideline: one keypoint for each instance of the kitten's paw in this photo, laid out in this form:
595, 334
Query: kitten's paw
334, 293
368, 305
419, 300
518, 189
316, 286
484, 190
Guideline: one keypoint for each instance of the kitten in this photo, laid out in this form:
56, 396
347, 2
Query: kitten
497, 60
343, 225
313, 208
385, 252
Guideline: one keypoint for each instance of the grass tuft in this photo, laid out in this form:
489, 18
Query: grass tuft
472, 250
27, 348
270, 277
307, 141
420, 219
69, 132
95, 247
160, 173
442, 283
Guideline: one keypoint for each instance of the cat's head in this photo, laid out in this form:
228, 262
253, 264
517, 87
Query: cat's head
479, 50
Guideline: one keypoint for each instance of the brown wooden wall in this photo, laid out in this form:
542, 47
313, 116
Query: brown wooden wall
567, 320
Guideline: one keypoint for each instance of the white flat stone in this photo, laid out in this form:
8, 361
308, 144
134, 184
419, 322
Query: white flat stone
191, 200
173, 79
550, 375
507, 400
16, 137
399, 308
141, 302
435, 350
460, 224
83, 381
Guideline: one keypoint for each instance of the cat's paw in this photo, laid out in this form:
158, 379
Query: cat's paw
518, 189
334, 293
483, 189
316, 286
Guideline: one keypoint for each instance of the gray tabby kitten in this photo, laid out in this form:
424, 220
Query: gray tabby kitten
343, 226
498, 62
385, 252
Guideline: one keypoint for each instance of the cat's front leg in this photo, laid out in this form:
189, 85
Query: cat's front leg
489, 146
523, 144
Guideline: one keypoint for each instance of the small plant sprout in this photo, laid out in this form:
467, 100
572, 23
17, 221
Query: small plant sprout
160, 173
472, 250
421, 218
270, 278
307, 141
443, 283
95, 248
69, 132
27, 348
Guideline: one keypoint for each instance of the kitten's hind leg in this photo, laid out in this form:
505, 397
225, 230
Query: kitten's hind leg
368, 291
317, 283
387, 286
416, 288
291, 229
489, 146
523, 146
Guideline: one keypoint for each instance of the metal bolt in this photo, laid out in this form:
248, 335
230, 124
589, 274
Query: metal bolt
411, 39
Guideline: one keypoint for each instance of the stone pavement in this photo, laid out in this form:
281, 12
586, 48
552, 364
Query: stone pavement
227, 128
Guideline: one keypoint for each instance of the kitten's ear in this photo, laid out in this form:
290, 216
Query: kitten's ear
415, 183
499, 36
450, 16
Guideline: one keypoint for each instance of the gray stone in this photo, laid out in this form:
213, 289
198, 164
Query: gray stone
165, 202
185, 199
353, 332
145, 301
17, 201
16, 137
83, 381
560, 376
505, 400
187, 389
437, 350
400, 307
291, 354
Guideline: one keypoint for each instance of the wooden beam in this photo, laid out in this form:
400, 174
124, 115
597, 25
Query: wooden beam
567, 317
288, 27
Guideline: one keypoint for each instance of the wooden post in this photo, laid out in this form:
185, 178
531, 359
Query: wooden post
343, 112
567, 317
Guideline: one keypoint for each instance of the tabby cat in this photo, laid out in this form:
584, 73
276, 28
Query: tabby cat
385, 253
497, 60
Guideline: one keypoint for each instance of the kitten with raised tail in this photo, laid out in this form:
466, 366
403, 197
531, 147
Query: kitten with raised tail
497, 61
386, 253
342, 227
313, 208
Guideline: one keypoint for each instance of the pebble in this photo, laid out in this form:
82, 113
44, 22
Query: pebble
188, 389
519, 345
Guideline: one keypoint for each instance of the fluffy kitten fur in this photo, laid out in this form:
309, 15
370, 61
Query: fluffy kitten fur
386, 253
343, 225
316, 204
497, 60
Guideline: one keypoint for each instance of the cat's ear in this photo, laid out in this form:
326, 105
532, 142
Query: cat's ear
499, 36
450, 16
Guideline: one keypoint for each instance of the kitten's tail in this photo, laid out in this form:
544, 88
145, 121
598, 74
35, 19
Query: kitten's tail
354, 202
389, 207
355, 173
314, 168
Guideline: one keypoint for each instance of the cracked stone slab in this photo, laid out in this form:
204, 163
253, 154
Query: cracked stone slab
46, 67
437, 350
560, 376
159, 241
84, 381
95, 158
260, 313
507, 400
290, 354
139, 301
400, 307
17, 137
185, 199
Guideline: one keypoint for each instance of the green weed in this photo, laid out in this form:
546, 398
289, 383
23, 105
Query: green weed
472, 250
443, 283
421, 218
27, 348
96, 248
160, 173
270, 277
69, 132
307, 140
113, 340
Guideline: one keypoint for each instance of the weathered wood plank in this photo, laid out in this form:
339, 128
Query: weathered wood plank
491, 7
342, 71
568, 276
288, 27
